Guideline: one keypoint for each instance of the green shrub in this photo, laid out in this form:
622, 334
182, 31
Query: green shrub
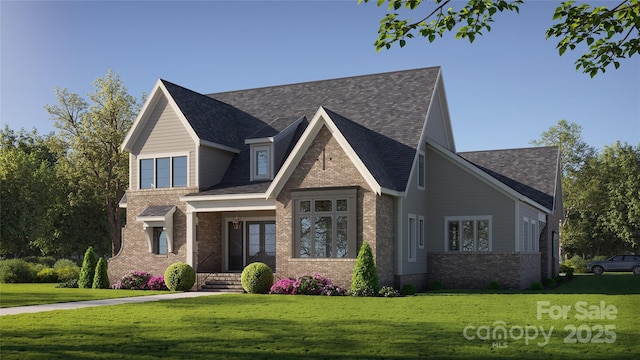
180, 276
64, 263
47, 275
101, 277
364, 281
536, 286
47, 261
16, 271
549, 283
565, 268
558, 279
408, 289
435, 285
67, 273
388, 291
257, 278
579, 264
493, 285
87, 273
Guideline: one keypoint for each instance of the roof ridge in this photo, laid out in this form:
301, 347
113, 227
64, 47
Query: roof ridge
321, 80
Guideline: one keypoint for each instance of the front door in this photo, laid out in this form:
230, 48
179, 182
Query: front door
251, 241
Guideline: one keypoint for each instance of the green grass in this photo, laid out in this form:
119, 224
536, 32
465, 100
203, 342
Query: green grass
292, 327
37, 294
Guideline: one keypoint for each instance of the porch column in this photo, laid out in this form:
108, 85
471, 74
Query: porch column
192, 256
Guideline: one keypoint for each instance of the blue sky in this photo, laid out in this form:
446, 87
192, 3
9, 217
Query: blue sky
503, 90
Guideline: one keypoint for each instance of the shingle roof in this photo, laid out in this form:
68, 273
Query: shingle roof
154, 211
381, 115
529, 171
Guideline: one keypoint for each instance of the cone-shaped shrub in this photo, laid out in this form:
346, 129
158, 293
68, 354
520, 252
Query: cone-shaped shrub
364, 281
179, 276
88, 270
257, 278
101, 278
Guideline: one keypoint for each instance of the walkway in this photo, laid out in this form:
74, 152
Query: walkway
91, 303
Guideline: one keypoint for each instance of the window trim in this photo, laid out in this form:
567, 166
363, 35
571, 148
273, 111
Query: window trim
422, 161
420, 232
333, 194
254, 162
475, 220
154, 159
411, 237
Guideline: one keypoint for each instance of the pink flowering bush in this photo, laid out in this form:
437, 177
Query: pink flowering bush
315, 284
140, 280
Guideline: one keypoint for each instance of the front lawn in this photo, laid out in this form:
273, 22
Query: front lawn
37, 294
442, 325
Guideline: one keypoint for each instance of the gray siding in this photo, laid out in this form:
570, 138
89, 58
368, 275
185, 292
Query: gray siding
436, 129
213, 164
163, 134
453, 191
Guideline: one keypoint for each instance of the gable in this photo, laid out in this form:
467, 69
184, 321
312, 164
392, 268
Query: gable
438, 126
162, 132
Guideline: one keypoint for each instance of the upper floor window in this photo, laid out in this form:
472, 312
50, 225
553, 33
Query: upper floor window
261, 168
163, 172
468, 233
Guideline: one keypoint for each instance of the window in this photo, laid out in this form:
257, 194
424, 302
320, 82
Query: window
468, 234
261, 163
159, 241
411, 232
163, 172
421, 170
325, 223
421, 232
529, 240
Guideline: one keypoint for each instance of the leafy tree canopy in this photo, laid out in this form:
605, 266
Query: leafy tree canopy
610, 32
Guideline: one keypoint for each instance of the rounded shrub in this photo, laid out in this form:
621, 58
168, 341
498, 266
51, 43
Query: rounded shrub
47, 275
493, 285
388, 291
257, 278
16, 271
408, 289
64, 263
180, 276
435, 285
67, 273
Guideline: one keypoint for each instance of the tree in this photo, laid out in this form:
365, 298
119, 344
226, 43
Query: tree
611, 32
364, 281
93, 133
604, 212
29, 195
88, 270
101, 276
574, 151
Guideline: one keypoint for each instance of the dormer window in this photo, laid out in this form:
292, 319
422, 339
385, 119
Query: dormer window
261, 162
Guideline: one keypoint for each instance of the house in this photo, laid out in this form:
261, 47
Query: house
298, 176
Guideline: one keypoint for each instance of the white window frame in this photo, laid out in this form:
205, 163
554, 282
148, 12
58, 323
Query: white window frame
155, 169
254, 162
421, 175
475, 219
411, 237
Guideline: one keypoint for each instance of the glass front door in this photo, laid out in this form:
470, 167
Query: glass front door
260, 244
